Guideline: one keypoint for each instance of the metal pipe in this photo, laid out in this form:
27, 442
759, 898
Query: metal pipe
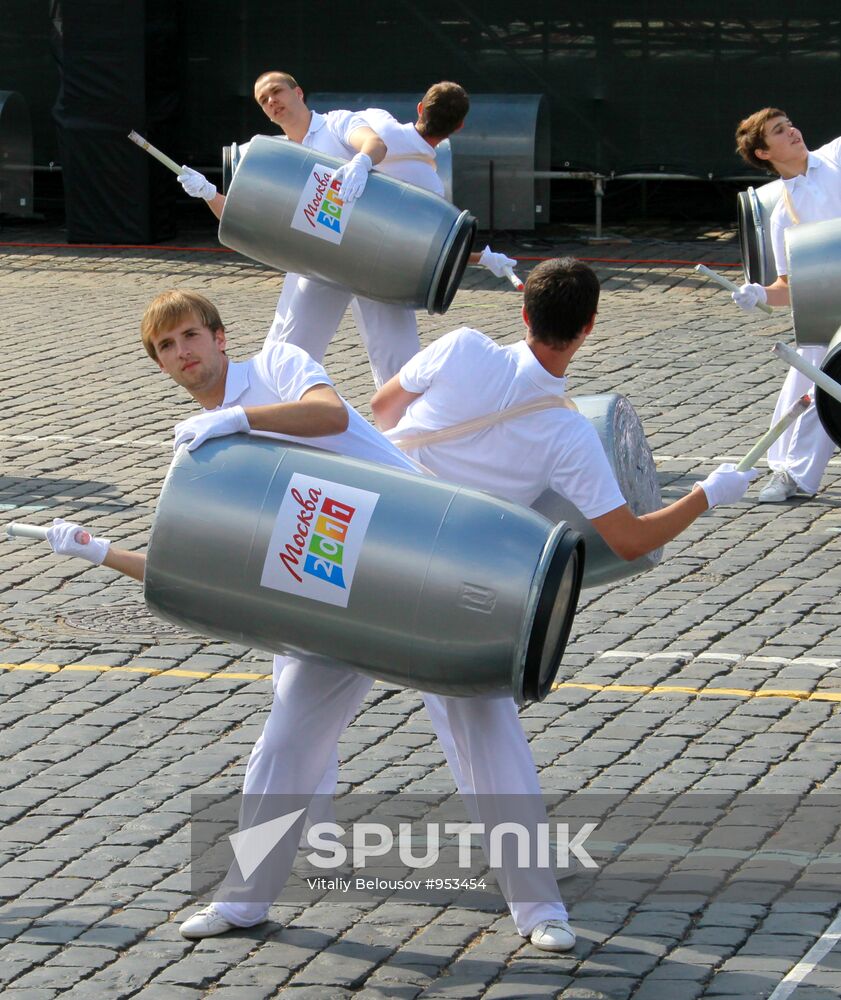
599, 193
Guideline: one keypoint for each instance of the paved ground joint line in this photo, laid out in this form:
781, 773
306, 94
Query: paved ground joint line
642, 689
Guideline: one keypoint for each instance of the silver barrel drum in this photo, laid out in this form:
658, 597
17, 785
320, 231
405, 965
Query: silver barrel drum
407, 579
395, 243
623, 439
813, 255
754, 211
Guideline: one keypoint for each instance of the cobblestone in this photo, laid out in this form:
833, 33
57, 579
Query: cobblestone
99, 763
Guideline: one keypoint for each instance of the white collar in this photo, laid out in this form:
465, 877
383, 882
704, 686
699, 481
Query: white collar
812, 162
237, 380
316, 122
528, 363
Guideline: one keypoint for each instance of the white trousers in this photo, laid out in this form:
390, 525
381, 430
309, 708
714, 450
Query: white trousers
314, 702
309, 311
805, 448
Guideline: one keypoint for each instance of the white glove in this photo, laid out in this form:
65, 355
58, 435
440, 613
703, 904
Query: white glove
217, 423
497, 263
353, 176
196, 185
726, 485
69, 539
749, 296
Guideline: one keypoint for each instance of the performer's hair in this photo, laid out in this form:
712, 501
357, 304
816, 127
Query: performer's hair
750, 136
286, 78
444, 108
561, 297
169, 309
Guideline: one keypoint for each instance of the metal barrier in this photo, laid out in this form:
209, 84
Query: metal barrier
15, 155
499, 158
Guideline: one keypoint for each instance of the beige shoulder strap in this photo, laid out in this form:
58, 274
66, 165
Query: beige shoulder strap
419, 157
789, 204
410, 442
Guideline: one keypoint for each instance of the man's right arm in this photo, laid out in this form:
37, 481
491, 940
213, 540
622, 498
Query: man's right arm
631, 536
752, 294
66, 538
390, 402
197, 185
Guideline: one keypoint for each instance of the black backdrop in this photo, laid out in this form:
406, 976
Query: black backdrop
633, 86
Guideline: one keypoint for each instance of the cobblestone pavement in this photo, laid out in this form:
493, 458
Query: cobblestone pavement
717, 672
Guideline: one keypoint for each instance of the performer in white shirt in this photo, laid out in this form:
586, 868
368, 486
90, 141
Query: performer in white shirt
811, 193
308, 310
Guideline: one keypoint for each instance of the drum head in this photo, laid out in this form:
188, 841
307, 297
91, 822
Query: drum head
748, 242
829, 409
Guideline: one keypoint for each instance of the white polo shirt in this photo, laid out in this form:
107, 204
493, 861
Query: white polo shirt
409, 158
329, 133
464, 375
816, 196
282, 373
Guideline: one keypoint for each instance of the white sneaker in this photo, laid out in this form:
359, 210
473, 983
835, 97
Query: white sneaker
553, 935
205, 923
780, 487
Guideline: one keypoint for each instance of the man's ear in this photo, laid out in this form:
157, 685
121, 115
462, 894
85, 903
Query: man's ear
420, 110
587, 329
219, 337
525, 316
761, 154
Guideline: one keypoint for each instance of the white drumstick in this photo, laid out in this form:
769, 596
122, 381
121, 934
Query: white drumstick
150, 149
18, 530
829, 385
719, 279
798, 407
515, 281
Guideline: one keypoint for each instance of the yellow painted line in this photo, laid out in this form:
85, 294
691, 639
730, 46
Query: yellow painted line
104, 668
735, 692
642, 689
775, 693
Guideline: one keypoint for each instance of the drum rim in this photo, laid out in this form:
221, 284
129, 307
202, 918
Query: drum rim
532, 681
451, 264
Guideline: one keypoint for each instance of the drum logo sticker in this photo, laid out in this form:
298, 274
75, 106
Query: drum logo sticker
320, 211
317, 538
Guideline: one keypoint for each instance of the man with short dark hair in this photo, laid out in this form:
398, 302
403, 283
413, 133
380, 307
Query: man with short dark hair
309, 310
811, 193
464, 375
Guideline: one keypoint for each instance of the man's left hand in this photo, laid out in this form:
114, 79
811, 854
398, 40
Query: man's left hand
353, 176
217, 423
